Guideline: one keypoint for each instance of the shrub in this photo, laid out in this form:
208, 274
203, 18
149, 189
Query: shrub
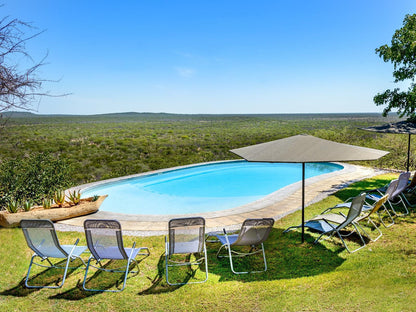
27, 205
46, 203
33, 177
74, 197
59, 198
12, 206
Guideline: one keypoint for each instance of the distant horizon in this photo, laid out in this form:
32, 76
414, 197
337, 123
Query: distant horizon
392, 114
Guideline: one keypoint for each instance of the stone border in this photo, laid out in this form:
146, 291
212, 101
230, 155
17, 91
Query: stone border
256, 205
276, 205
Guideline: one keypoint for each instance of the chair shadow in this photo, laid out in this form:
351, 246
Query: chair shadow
20, 290
159, 284
47, 277
100, 279
358, 187
286, 256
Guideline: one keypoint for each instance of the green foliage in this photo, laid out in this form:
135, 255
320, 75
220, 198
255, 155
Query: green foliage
402, 53
103, 147
47, 203
32, 177
27, 204
12, 205
74, 197
59, 197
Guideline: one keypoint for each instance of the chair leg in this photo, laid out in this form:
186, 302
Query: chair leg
167, 265
395, 204
332, 233
129, 261
125, 277
264, 257
206, 263
231, 260
367, 234
219, 250
407, 201
290, 228
389, 215
185, 264
125, 271
51, 266
86, 274
232, 264
362, 239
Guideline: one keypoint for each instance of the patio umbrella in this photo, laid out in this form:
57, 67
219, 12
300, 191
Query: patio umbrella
401, 127
306, 149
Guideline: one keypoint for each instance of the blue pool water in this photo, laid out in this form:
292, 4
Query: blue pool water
202, 188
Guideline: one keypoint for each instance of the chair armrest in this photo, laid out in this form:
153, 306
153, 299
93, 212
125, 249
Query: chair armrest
132, 250
212, 234
231, 231
328, 209
335, 207
73, 248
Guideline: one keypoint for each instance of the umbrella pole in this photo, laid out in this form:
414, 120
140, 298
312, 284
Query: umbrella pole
303, 202
408, 152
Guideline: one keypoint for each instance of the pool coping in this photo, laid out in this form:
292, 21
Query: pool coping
276, 205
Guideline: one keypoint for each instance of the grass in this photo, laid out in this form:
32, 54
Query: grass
301, 277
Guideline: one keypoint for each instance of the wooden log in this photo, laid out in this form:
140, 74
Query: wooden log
86, 206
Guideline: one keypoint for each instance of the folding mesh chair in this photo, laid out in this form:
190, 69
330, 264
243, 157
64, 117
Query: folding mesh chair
253, 233
41, 237
368, 211
329, 224
395, 191
105, 241
186, 237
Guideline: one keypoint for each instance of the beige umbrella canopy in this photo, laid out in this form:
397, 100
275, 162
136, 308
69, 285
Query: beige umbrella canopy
305, 149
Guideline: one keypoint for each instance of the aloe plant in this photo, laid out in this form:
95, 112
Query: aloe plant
47, 203
12, 206
27, 204
59, 198
74, 197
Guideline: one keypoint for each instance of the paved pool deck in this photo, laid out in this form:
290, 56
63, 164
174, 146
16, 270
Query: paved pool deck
276, 205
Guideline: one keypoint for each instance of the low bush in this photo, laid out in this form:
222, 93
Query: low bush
33, 177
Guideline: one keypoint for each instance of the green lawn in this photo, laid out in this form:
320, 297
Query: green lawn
301, 277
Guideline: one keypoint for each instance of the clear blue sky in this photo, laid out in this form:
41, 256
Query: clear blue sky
213, 56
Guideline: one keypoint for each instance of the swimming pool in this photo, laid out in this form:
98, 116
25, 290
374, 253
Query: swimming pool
201, 188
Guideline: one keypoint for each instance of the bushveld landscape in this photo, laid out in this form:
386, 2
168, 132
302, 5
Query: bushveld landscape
43, 154
301, 277
105, 146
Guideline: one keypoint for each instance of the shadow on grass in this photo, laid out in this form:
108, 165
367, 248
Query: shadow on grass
48, 277
101, 280
286, 258
361, 186
181, 274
